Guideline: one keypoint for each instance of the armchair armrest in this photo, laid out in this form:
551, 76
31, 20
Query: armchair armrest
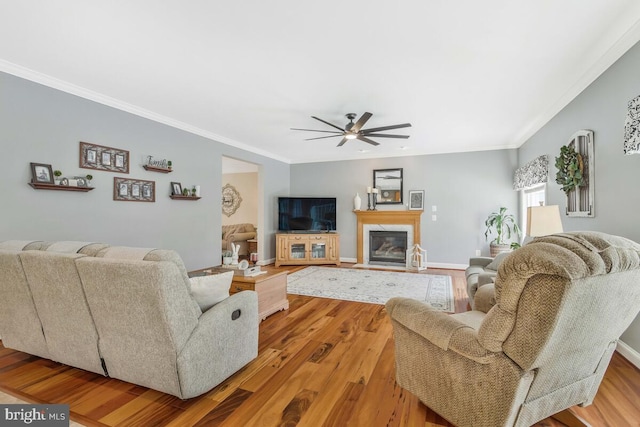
481, 261
440, 329
486, 278
485, 298
242, 237
219, 345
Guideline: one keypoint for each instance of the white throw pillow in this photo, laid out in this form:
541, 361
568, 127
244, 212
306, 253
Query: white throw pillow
210, 290
493, 265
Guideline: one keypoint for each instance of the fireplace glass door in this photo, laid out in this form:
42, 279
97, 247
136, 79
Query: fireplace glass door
388, 247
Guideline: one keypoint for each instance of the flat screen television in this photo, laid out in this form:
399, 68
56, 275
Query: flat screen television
311, 214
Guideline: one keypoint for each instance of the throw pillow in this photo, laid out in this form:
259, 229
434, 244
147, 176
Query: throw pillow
493, 265
210, 290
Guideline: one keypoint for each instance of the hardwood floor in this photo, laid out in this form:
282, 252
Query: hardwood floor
321, 363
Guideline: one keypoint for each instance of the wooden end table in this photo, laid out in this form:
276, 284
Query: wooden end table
270, 286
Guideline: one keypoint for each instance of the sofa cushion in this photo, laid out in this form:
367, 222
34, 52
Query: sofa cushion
210, 290
493, 265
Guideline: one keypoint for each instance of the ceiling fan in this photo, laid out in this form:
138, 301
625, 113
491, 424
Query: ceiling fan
355, 131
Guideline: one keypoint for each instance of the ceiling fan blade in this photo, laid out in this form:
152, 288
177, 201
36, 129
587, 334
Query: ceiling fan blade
322, 137
368, 131
367, 140
342, 142
327, 123
384, 135
361, 121
316, 130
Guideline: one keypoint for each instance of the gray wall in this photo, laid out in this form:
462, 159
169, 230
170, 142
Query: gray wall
465, 187
602, 108
44, 125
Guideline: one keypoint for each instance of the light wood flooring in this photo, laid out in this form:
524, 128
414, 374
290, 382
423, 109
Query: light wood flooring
321, 363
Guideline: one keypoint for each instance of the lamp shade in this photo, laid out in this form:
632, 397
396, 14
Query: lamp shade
543, 220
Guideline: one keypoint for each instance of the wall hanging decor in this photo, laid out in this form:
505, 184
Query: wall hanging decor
416, 200
632, 127
230, 200
388, 182
157, 165
133, 190
576, 174
103, 158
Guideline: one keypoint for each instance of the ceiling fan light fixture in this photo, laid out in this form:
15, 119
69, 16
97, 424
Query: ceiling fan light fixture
351, 136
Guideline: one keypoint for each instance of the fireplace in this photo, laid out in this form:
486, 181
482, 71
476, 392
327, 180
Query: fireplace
368, 221
387, 247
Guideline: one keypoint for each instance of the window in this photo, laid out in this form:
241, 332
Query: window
532, 196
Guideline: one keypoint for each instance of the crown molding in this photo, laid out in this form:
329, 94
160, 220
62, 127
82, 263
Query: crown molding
61, 85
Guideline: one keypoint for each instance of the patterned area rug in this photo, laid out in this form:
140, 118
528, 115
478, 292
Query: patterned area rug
376, 287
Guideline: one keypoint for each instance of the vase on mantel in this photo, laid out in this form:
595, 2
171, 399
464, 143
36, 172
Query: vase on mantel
357, 202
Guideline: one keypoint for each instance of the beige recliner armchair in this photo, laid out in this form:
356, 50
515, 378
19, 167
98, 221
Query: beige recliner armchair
562, 302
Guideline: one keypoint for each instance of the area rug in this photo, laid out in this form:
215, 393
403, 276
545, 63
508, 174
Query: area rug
375, 287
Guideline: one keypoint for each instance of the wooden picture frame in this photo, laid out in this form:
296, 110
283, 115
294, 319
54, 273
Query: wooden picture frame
416, 200
133, 190
100, 157
42, 173
176, 189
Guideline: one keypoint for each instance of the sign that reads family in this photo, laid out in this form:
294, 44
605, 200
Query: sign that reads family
34, 415
157, 163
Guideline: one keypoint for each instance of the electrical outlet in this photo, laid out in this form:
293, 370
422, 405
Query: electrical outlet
434, 217
434, 208
478, 253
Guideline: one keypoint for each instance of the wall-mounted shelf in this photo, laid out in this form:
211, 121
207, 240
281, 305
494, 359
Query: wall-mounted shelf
176, 197
42, 186
155, 169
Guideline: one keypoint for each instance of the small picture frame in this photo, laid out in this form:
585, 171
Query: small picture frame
416, 200
176, 189
100, 157
41, 173
133, 190
105, 160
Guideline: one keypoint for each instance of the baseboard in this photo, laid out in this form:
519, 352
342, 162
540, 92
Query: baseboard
629, 353
266, 261
353, 260
446, 266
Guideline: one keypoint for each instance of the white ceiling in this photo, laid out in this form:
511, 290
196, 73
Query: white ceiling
468, 75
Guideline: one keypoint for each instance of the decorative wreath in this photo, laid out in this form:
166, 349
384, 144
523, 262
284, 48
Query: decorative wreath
570, 169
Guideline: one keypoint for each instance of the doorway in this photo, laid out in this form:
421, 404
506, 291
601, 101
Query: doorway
241, 209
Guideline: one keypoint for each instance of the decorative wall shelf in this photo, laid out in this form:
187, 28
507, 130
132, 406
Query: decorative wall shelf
176, 197
41, 186
155, 169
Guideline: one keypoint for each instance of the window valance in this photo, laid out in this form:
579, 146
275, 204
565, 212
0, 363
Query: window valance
534, 172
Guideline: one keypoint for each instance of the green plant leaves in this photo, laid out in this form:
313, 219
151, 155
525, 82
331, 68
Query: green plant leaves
570, 169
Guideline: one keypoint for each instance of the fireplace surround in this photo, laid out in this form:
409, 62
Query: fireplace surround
386, 221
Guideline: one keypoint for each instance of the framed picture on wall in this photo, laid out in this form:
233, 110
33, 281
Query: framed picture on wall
416, 200
100, 157
133, 190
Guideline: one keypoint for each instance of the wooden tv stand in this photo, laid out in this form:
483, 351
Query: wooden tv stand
307, 249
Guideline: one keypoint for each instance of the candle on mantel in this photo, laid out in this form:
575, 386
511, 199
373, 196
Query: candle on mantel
375, 191
368, 190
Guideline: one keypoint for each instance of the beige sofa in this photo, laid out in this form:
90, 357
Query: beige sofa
562, 302
238, 234
127, 313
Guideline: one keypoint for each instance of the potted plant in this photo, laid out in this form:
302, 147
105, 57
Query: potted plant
89, 178
185, 191
57, 174
503, 225
227, 257
193, 192
169, 164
